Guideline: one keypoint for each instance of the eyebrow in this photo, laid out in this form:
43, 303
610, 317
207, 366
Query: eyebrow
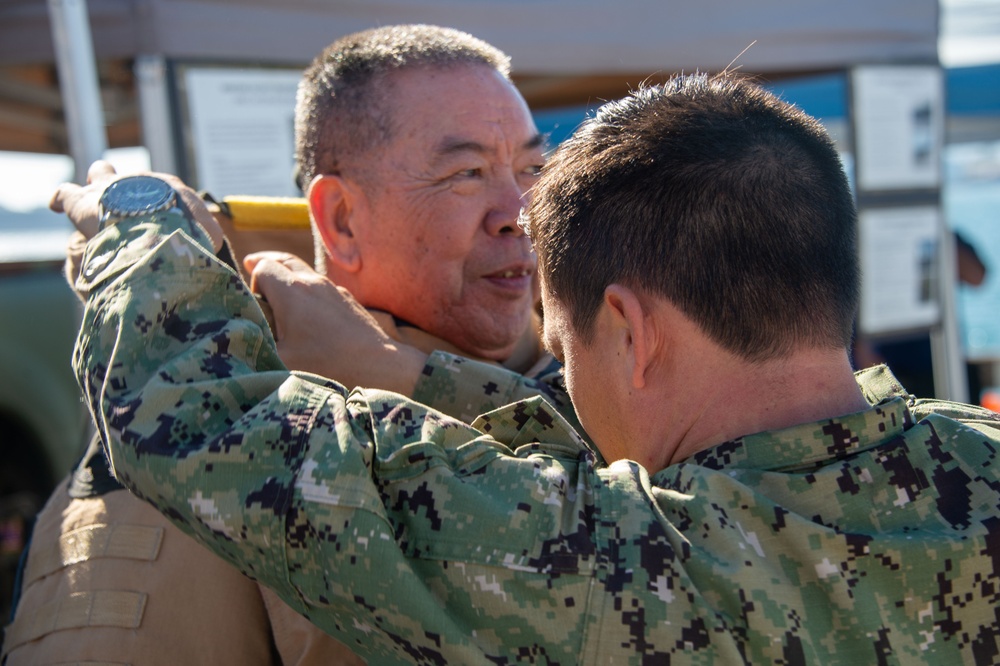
537, 141
452, 145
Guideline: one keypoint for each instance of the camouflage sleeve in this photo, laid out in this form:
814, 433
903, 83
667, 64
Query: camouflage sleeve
464, 389
340, 503
163, 319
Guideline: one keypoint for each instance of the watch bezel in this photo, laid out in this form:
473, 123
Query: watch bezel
123, 199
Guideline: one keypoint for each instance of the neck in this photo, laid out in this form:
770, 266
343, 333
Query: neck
736, 398
525, 354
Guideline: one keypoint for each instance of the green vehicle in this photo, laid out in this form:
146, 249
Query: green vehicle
43, 423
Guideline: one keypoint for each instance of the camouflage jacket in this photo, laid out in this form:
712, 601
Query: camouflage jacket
414, 538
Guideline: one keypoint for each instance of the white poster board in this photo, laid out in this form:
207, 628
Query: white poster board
900, 251
899, 127
242, 129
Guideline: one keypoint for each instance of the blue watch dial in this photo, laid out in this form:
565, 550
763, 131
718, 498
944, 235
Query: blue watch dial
137, 195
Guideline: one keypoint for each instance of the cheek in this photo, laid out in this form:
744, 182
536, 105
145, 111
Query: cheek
441, 241
436, 283
430, 235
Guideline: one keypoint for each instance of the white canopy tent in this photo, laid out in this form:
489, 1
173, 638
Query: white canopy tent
545, 37
564, 51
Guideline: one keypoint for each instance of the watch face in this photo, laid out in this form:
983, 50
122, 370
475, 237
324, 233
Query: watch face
136, 195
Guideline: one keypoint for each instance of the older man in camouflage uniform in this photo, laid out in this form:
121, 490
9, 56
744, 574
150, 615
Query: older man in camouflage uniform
415, 151
760, 503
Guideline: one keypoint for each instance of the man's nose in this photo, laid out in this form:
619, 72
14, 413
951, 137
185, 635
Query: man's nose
509, 197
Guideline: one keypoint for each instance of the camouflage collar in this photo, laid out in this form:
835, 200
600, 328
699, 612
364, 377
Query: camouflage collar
809, 444
879, 385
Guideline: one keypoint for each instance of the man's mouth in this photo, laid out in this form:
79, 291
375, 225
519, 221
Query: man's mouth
512, 273
517, 278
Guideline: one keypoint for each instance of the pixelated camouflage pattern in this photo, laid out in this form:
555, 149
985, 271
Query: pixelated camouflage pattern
872, 538
465, 388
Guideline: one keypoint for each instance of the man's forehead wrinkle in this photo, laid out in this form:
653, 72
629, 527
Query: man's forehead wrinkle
451, 145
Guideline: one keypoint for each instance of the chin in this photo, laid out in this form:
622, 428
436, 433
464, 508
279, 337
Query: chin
480, 337
491, 349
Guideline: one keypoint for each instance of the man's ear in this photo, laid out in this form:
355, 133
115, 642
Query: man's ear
632, 330
336, 206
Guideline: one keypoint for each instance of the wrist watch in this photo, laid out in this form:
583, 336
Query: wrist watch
135, 195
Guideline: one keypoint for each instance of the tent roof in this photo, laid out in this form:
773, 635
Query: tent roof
563, 51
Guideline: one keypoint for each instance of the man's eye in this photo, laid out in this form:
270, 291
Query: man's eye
533, 170
469, 173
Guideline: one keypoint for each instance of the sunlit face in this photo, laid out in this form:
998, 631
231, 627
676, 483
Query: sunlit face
441, 248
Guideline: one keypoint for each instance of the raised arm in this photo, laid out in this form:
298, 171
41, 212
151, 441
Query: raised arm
310, 311
301, 486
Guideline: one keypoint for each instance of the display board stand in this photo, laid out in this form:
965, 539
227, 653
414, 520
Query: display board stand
907, 249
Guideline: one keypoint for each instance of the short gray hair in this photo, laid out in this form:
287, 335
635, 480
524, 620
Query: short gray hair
341, 110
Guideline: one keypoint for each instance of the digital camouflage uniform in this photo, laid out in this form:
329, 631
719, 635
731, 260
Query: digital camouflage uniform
110, 580
868, 538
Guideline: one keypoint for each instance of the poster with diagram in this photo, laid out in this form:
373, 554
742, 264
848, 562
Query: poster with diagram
241, 129
899, 261
899, 127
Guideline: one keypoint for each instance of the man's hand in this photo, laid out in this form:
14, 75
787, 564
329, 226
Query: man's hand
321, 329
82, 206
82, 203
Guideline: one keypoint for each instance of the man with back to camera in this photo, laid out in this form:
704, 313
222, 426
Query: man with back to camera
415, 150
699, 275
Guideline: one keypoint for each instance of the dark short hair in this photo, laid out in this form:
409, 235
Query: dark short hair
712, 193
341, 109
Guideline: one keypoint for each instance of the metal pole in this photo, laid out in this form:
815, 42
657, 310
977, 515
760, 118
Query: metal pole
154, 111
951, 380
81, 90
950, 374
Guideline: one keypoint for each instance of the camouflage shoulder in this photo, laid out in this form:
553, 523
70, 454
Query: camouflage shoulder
984, 420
